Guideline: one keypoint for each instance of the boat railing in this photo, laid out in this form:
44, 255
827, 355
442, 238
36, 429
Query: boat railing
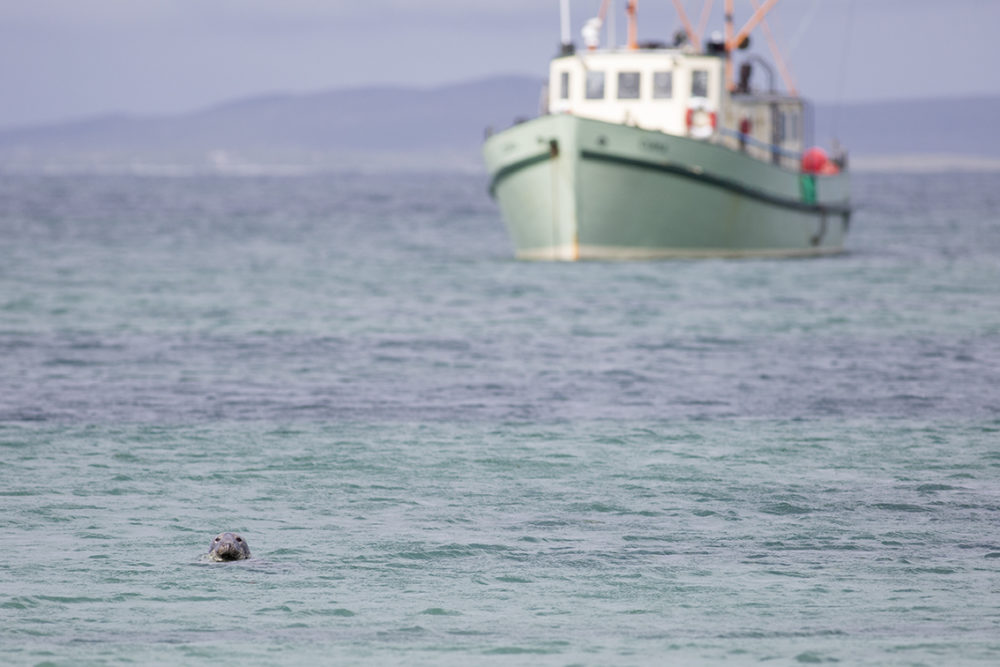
779, 153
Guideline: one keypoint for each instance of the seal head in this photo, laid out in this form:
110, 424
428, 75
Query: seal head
228, 546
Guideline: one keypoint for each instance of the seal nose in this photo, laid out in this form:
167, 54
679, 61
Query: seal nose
228, 551
229, 546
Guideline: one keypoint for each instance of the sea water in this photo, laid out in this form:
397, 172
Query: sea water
442, 456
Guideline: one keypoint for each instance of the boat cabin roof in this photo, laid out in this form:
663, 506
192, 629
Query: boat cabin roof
675, 91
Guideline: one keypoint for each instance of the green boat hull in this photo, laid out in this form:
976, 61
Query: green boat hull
575, 188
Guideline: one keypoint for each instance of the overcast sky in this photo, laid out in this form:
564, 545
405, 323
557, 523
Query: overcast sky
65, 59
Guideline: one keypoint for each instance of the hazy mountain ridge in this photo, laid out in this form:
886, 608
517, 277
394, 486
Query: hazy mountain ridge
445, 124
441, 125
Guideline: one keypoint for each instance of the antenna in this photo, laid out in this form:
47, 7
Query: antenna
564, 24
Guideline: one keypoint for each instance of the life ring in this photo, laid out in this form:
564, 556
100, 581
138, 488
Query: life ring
701, 118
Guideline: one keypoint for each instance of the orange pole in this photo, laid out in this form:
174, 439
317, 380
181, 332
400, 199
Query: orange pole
688, 28
706, 11
633, 29
772, 43
757, 17
729, 35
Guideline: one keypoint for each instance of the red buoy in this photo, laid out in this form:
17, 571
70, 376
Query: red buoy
815, 161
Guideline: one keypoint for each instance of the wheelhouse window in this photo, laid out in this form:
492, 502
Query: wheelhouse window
595, 85
663, 85
699, 83
564, 85
628, 85
793, 125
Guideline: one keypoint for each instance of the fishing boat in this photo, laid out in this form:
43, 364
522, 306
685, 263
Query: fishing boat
660, 151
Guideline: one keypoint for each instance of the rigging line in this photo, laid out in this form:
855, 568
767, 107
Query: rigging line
602, 15
772, 43
796, 39
841, 84
706, 11
688, 28
734, 42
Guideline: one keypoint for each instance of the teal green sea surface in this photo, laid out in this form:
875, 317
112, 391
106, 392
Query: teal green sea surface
441, 456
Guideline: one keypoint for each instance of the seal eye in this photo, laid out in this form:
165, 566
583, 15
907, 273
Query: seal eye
217, 539
239, 539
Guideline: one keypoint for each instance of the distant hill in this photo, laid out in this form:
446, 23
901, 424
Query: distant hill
441, 126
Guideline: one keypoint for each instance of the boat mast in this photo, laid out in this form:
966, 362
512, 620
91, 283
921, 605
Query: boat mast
706, 12
564, 25
688, 28
633, 29
772, 43
730, 85
734, 42
757, 17
612, 31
